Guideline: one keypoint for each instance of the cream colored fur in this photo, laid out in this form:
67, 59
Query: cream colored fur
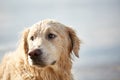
16, 65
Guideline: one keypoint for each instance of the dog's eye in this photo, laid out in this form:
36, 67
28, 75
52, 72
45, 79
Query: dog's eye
51, 36
32, 38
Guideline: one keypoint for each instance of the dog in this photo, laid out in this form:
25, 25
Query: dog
44, 53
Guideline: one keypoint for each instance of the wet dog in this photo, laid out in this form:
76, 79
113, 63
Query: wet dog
44, 53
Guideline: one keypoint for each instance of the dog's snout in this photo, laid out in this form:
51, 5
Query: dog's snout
36, 52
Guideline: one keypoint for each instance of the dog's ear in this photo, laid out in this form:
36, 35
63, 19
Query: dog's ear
75, 42
24, 44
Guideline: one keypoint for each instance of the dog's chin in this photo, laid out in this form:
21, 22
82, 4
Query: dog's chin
39, 63
36, 63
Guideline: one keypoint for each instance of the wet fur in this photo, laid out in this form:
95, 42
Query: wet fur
15, 65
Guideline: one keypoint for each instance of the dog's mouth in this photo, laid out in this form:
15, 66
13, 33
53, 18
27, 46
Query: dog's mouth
53, 62
36, 61
42, 64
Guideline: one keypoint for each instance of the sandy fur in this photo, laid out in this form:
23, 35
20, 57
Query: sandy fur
15, 65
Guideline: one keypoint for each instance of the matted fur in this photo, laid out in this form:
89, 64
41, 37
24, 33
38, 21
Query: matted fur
15, 65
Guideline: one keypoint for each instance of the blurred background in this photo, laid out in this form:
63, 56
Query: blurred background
97, 23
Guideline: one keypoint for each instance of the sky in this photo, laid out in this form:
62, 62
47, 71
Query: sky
96, 22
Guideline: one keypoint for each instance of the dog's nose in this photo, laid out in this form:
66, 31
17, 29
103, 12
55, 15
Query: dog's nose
36, 52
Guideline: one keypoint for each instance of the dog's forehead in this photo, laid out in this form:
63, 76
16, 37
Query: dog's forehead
45, 25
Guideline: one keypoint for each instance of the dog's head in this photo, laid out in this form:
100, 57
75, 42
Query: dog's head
46, 41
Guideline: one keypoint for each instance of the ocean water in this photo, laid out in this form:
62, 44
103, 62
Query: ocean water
96, 22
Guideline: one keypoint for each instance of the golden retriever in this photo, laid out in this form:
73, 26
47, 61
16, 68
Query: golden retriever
44, 53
